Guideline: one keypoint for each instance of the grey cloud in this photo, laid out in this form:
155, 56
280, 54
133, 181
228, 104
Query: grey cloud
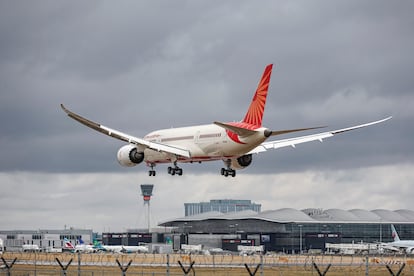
140, 66
112, 201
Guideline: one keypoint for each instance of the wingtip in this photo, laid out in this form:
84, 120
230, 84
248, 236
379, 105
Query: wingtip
64, 109
385, 119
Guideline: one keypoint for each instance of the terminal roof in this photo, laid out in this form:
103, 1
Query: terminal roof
311, 215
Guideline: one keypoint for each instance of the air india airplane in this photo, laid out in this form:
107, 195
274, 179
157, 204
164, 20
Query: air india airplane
234, 143
405, 246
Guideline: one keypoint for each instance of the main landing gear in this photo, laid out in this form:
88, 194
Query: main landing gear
175, 170
171, 170
228, 171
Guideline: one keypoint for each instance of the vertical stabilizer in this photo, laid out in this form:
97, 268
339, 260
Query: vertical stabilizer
255, 113
68, 244
394, 233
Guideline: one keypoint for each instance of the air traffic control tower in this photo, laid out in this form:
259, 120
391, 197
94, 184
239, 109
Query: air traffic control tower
146, 192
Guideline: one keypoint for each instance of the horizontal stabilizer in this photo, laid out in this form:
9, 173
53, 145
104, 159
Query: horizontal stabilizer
244, 132
280, 132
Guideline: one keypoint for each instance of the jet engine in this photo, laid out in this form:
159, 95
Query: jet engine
129, 156
241, 162
409, 250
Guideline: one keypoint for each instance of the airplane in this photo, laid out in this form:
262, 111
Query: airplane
399, 245
125, 248
233, 142
31, 248
81, 247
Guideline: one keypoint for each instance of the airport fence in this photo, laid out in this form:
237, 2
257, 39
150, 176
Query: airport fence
103, 264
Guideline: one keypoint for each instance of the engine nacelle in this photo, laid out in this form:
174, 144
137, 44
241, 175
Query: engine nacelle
129, 156
241, 162
409, 250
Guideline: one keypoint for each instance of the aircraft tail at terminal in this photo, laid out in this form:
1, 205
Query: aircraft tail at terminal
81, 247
398, 245
394, 233
68, 244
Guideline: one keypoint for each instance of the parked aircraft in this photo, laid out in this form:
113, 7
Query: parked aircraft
31, 248
406, 246
81, 247
125, 248
234, 143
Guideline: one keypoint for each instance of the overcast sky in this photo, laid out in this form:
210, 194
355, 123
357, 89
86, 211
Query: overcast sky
138, 66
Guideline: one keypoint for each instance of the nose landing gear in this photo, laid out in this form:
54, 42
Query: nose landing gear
152, 172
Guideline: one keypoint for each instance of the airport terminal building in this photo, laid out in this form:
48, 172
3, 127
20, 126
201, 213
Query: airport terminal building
290, 230
284, 230
15, 239
221, 205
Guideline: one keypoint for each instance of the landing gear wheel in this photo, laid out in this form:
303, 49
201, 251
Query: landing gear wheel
180, 171
175, 170
226, 172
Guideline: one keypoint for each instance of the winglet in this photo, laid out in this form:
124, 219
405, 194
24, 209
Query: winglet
360, 126
64, 108
255, 113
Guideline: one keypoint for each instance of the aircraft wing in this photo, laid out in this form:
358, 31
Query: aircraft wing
308, 138
388, 247
125, 137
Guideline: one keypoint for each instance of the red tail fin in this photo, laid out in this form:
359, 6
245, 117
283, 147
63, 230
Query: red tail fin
255, 113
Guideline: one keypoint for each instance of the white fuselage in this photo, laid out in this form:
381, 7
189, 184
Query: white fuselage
205, 143
84, 248
402, 243
125, 248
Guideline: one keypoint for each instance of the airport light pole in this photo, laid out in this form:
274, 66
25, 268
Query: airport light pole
380, 238
300, 238
340, 231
